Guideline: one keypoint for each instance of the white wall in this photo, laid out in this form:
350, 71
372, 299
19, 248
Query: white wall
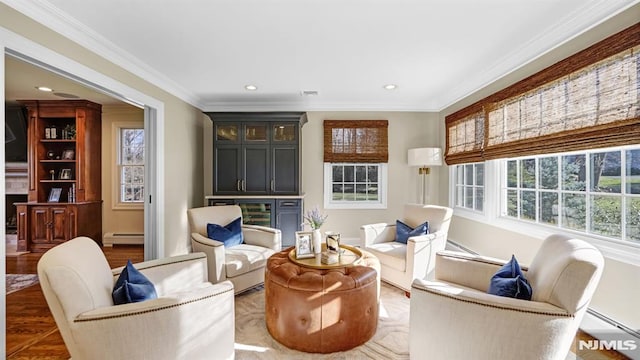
619, 290
117, 220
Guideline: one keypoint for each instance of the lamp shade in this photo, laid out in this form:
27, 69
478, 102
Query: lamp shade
425, 157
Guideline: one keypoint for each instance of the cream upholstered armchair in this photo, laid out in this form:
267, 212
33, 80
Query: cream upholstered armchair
242, 264
453, 317
401, 263
190, 319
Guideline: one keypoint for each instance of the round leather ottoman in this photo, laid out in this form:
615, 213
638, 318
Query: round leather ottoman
321, 311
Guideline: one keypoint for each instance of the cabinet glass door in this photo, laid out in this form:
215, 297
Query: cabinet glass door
255, 132
284, 132
227, 133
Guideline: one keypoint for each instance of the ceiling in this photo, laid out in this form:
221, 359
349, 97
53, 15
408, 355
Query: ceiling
206, 51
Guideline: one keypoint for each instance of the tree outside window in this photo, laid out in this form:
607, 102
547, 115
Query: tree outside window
131, 165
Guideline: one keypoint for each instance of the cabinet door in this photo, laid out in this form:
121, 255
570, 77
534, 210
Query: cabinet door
40, 224
289, 220
59, 224
284, 170
256, 179
227, 166
257, 212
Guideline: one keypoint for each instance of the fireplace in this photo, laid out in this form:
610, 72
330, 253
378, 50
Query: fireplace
16, 189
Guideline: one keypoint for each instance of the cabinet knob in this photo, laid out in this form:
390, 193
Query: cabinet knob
273, 185
238, 185
244, 185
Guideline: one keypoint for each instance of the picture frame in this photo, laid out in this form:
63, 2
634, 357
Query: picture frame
65, 174
68, 154
54, 195
332, 241
304, 244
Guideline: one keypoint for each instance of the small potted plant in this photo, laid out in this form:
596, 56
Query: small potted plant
314, 218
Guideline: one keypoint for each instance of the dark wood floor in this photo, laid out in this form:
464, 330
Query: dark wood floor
32, 332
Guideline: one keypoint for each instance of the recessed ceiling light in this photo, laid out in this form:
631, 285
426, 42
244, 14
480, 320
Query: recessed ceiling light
44, 88
251, 87
390, 87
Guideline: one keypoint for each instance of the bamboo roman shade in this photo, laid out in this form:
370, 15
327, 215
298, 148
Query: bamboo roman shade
363, 141
589, 100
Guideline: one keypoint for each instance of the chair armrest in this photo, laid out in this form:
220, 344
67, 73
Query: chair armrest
161, 328
262, 236
377, 233
215, 256
421, 254
468, 270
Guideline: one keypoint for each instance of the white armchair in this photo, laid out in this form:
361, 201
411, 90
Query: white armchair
242, 264
190, 319
401, 263
454, 317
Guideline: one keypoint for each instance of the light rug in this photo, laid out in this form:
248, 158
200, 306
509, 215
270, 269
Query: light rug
391, 340
17, 282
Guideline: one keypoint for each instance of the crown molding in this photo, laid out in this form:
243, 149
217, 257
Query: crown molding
326, 106
50, 16
592, 14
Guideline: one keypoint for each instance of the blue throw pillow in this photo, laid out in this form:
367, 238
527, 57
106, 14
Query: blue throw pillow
509, 281
132, 286
404, 231
230, 234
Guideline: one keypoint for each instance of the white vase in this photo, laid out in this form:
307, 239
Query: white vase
317, 241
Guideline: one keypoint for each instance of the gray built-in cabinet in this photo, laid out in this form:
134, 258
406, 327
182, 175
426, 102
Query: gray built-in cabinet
256, 164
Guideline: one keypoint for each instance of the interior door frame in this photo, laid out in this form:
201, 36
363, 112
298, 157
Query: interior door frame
26, 50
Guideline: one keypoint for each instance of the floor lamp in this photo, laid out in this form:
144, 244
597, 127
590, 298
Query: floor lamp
423, 158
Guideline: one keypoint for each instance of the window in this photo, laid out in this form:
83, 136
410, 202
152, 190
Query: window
130, 165
355, 186
594, 192
469, 186
355, 169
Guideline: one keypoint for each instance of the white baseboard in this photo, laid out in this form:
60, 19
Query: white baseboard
111, 238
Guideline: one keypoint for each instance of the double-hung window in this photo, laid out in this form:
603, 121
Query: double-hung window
130, 166
355, 169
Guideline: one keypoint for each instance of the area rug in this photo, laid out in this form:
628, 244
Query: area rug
391, 340
17, 282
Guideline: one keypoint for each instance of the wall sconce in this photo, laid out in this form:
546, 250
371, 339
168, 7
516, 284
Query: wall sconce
423, 158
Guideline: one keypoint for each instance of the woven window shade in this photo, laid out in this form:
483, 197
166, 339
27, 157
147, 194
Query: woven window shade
588, 100
465, 136
362, 141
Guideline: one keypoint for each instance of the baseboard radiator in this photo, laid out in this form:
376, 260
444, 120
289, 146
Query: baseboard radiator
111, 238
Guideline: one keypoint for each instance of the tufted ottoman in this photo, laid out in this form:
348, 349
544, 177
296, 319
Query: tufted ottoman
321, 311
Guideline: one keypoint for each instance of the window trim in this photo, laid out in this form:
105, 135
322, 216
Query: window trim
382, 189
116, 204
622, 251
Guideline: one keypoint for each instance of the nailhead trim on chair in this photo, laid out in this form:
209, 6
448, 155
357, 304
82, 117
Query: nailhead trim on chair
151, 310
493, 306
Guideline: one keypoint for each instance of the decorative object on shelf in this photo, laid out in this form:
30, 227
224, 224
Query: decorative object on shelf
51, 155
69, 132
54, 194
423, 158
304, 245
53, 174
71, 196
333, 242
65, 174
314, 218
53, 131
68, 154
